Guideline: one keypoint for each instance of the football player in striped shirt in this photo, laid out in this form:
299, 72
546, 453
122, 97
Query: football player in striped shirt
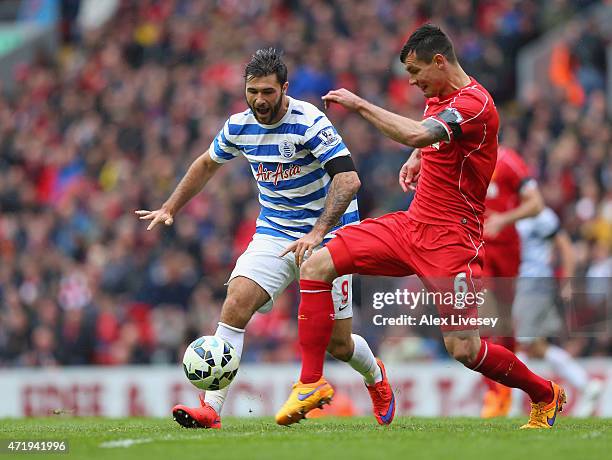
307, 189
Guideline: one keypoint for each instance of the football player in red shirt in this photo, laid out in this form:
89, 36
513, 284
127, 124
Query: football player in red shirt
439, 238
512, 195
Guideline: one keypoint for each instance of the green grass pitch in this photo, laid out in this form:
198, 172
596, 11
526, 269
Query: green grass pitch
407, 438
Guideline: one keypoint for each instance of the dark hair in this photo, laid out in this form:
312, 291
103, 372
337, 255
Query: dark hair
427, 41
266, 62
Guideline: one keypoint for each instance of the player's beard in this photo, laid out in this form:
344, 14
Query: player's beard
271, 115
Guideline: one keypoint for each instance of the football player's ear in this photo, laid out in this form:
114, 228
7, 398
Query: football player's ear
285, 87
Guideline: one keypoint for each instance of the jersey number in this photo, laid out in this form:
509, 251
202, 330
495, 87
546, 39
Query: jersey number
461, 288
345, 291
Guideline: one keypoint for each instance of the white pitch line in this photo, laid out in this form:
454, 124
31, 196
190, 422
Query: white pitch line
125, 442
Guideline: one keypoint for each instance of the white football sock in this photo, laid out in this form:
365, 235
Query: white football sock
234, 336
566, 366
364, 362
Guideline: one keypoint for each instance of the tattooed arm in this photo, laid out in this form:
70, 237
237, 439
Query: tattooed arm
341, 192
401, 129
343, 188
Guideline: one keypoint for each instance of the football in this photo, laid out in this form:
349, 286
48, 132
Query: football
210, 363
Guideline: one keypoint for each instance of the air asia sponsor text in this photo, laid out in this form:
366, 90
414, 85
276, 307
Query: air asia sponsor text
267, 175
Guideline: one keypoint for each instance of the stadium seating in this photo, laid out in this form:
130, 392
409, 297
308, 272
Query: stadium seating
109, 124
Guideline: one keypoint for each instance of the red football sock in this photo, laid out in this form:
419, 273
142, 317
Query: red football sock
315, 325
501, 365
508, 343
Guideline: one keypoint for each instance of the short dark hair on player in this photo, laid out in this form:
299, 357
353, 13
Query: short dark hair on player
266, 61
427, 41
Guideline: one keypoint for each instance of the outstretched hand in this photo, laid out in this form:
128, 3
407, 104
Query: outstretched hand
156, 217
303, 247
343, 97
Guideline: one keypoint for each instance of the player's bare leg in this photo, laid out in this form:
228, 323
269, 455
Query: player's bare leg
354, 350
341, 345
319, 267
244, 297
499, 364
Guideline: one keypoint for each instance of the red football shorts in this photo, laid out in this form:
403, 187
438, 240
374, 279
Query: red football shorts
501, 267
396, 245
502, 260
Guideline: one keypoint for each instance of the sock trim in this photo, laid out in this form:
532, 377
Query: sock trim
231, 328
315, 291
484, 355
314, 285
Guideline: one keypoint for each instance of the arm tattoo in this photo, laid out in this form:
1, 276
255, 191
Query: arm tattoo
339, 196
435, 131
453, 119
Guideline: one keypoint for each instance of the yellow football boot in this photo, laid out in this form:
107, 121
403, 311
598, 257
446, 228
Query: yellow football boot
303, 398
543, 415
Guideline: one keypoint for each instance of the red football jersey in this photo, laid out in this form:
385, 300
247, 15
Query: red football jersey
455, 174
504, 192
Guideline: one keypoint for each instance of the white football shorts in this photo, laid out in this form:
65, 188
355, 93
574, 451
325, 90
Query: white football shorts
262, 264
535, 311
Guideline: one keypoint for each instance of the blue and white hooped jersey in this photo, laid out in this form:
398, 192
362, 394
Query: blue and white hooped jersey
287, 160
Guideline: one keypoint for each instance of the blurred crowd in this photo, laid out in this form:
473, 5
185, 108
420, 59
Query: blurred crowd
110, 124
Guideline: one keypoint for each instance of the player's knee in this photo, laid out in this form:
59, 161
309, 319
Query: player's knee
232, 303
341, 348
316, 269
310, 270
462, 355
462, 349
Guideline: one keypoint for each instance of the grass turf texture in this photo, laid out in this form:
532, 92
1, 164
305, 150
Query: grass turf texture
259, 438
